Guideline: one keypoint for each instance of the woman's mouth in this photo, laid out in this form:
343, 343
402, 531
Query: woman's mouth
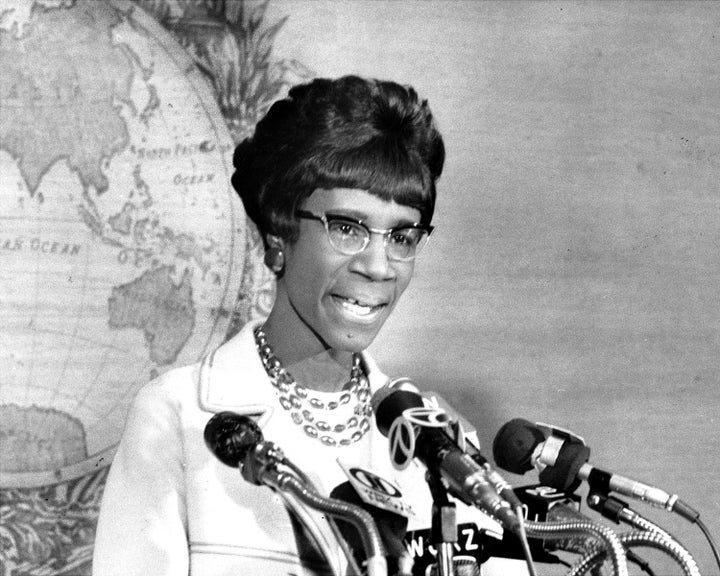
358, 308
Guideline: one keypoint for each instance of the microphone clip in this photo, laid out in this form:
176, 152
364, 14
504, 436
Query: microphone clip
559, 458
261, 462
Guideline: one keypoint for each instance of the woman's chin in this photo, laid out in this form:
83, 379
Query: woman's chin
353, 340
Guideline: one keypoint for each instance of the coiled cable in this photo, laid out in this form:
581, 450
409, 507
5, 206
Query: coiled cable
641, 538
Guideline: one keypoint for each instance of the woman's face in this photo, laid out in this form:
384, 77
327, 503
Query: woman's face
332, 300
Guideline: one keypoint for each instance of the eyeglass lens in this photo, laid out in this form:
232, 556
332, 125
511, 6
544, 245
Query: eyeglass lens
352, 237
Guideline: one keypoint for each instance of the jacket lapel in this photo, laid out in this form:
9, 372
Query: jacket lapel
233, 378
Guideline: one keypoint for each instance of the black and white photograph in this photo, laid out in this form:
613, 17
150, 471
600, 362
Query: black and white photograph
359, 287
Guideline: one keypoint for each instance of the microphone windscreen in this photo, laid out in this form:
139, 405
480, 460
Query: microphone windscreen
389, 404
231, 437
563, 474
514, 445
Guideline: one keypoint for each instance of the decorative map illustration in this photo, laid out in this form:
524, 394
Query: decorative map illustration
117, 227
124, 250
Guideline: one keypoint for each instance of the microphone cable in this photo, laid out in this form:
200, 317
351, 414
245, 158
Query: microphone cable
307, 481
617, 510
570, 524
709, 538
640, 538
523, 537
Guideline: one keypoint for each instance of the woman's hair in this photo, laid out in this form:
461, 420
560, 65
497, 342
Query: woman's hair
351, 132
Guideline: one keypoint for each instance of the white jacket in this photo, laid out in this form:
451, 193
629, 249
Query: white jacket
171, 508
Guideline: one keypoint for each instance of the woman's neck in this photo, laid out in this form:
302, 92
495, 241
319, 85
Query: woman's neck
308, 360
328, 371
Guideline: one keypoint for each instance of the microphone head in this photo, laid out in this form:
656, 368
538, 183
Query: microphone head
231, 437
514, 445
563, 474
390, 401
392, 386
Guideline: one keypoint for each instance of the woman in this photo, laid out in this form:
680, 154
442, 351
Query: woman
340, 179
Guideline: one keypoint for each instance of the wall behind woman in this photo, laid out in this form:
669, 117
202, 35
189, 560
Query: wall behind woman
574, 274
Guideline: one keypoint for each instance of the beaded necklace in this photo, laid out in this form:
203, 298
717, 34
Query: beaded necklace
338, 422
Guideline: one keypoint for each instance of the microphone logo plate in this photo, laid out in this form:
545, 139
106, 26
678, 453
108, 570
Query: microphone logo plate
401, 443
377, 491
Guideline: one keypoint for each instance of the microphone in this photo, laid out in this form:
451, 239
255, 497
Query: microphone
392, 528
465, 436
561, 459
231, 437
237, 441
399, 401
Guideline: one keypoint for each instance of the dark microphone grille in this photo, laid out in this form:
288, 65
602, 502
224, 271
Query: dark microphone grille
402, 383
514, 444
231, 436
389, 404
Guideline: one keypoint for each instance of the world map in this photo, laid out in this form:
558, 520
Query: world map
121, 241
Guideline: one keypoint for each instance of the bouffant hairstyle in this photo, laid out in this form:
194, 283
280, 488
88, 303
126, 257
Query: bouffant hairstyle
350, 132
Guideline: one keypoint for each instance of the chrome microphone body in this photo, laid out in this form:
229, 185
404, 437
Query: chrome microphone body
606, 481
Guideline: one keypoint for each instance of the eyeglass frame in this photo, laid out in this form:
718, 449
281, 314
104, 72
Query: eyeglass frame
385, 232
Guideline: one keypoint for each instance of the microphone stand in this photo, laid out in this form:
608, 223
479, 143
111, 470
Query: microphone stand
261, 467
444, 525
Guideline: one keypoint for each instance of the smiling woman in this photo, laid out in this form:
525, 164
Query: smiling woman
331, 301
340, 179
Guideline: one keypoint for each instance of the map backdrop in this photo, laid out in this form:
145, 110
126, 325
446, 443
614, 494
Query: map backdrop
572, 277
124, 250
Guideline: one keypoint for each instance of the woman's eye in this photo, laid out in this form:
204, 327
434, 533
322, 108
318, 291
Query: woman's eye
344, 228
404, 238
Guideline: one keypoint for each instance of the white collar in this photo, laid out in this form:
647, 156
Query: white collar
230, 377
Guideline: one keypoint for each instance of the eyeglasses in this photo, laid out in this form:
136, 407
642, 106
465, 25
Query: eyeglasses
349, 236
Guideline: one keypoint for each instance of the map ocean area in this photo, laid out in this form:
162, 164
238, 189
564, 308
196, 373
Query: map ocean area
122, 244
39, 244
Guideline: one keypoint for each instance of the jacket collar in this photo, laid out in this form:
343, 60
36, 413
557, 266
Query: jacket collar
233, 377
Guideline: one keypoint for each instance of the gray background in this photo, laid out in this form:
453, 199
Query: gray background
574, 274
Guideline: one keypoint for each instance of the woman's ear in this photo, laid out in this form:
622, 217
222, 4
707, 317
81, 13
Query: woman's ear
274, 254
273, 240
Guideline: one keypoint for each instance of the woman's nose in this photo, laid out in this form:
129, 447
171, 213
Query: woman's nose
374, 262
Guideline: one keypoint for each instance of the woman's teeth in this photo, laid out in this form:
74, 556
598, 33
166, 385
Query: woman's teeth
356, 308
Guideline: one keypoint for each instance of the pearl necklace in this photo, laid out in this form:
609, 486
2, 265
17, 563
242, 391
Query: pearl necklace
314, 414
